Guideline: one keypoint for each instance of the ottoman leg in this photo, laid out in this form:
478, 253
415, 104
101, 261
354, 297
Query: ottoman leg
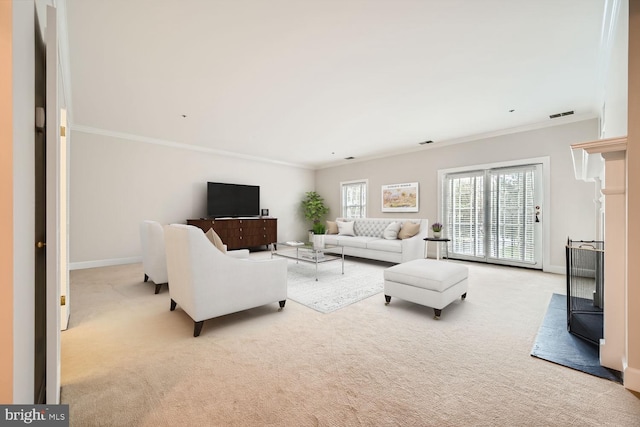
437, 312
388, 298
464, 296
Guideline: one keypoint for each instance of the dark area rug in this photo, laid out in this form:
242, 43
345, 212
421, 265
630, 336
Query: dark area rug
555, 344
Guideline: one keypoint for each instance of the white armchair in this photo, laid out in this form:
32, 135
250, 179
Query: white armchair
207, 283
154, 260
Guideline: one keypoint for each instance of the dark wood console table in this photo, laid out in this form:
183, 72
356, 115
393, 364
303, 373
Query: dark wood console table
239, 233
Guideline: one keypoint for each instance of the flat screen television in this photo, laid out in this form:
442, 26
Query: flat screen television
232, 200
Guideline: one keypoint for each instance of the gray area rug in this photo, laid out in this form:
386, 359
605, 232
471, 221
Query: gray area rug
333, 290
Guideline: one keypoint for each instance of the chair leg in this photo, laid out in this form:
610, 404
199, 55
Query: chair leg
197, 328
158, 286
437, 312
146, 278
464, 296
173, 305
282, 303
388, 299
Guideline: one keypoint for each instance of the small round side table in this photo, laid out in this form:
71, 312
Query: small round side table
438, 241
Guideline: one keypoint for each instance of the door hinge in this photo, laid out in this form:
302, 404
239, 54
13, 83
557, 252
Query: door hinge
63, 131
63, 300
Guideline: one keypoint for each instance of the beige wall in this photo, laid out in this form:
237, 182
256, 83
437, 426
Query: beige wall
116, 183
6, 204
572, 211
632, 374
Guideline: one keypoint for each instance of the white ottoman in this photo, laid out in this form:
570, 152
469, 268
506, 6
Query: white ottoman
427, 282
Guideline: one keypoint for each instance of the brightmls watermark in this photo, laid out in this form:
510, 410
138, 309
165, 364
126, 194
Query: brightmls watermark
37, 415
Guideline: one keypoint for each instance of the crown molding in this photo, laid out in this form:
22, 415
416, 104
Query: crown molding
179, 145
476, 137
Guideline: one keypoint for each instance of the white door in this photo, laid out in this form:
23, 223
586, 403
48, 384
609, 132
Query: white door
495, 215
53, 211
63, 223
514, 220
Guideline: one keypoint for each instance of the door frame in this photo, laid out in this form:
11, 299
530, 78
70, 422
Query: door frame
545, 216
40, 224
53, 211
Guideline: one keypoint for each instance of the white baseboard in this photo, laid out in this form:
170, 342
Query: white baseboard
556, 269
103, 263
632, 379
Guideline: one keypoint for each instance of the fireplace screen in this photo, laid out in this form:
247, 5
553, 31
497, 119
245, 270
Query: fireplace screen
585, 289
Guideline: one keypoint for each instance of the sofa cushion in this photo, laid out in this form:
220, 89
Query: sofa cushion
345, 228
331, 239
332, 227
408, 230
427, 274
391, 232
385, 245
355, 241
216, 240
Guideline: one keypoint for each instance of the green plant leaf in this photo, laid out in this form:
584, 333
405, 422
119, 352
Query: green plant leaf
313, 207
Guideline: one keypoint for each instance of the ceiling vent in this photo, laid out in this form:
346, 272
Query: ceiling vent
426, 142
566, 113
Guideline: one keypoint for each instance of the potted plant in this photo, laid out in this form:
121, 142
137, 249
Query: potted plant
314, 210
436, 227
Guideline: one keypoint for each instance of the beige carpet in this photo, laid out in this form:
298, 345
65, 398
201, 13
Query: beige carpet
128, 361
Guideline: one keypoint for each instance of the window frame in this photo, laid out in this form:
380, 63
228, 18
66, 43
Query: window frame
363, 200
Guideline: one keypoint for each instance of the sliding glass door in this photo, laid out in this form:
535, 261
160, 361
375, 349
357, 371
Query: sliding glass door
494, 215
464, 214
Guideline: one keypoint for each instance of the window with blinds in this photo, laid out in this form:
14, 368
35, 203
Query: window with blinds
490, 214
354, 199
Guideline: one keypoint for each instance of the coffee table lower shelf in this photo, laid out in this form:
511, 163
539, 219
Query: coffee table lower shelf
307, 253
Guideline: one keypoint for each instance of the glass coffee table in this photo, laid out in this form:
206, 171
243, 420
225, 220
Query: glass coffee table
306, 252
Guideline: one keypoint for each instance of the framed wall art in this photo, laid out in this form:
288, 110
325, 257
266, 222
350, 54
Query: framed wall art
400, 197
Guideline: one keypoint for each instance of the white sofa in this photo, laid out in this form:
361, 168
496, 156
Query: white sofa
369, 242
154, 261
207, 283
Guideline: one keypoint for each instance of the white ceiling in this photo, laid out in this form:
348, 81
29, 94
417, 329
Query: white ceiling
312, 82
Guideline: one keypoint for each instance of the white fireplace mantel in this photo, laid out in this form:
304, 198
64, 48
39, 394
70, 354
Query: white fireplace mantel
605, 161
588, 161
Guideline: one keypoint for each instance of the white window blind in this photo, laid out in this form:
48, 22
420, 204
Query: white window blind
490, 214
511, 228
464, 212
354, 199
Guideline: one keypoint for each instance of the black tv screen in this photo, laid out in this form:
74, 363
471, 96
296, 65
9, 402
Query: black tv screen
234, 200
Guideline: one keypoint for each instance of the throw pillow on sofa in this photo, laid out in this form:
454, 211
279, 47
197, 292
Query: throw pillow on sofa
391, 232
216, 240
409, 229
332, 227
345, 228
